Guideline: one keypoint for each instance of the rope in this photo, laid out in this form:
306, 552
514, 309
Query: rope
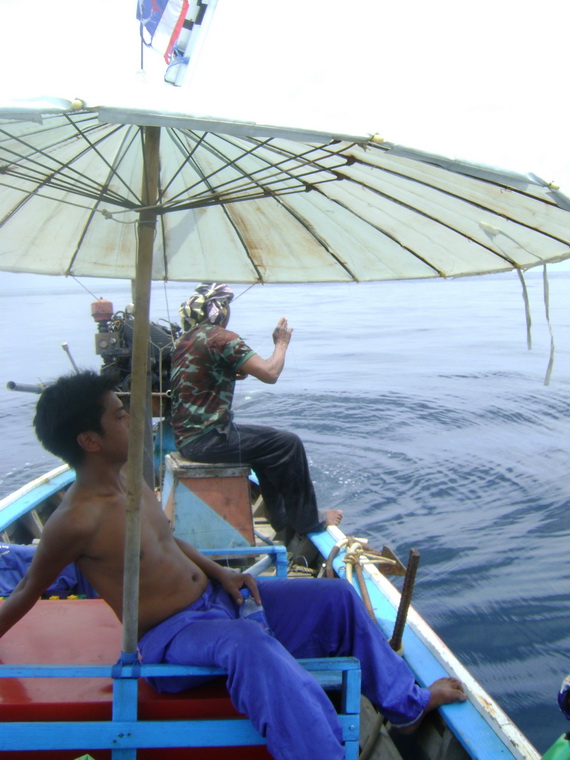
526, 310
354, 558
363, 589
78, 281
547, 312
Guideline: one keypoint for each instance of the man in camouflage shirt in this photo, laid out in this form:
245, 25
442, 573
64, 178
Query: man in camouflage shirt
207, 360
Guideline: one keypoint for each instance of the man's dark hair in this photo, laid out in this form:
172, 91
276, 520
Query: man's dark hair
70, 406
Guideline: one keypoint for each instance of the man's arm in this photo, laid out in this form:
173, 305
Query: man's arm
230, 580
56, 550
268, 370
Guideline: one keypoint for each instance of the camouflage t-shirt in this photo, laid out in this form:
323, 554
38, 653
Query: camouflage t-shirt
203, 376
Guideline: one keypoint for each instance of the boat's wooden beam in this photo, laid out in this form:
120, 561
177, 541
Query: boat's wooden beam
32, 522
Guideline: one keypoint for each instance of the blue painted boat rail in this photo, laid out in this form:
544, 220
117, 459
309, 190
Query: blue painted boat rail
17, 504
124, 734
471, 722
276, 552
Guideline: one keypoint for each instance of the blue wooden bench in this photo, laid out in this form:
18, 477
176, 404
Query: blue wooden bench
124, 734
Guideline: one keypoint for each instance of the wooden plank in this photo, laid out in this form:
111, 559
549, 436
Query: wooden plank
33, 523
160, 734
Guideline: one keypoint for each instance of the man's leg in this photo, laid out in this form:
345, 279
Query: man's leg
283, 701
323, 618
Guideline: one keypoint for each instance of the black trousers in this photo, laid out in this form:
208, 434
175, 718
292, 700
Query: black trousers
278, 459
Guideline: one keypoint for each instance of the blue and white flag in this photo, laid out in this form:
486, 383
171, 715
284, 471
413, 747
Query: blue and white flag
163, 21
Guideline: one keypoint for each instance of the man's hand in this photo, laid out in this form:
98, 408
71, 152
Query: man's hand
282, 333
268, 370
232, 582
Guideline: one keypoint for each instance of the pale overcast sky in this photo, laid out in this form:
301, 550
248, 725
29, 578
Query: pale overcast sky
485, 82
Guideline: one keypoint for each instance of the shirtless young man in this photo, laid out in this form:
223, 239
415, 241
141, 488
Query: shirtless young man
188, 607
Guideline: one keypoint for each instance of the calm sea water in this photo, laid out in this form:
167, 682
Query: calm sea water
426, 420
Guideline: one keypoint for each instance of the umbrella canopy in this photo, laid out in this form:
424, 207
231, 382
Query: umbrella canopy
242, 202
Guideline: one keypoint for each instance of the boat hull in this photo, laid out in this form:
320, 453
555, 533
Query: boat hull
476, 730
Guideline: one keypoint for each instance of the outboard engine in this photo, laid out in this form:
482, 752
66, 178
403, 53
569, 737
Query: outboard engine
114, 344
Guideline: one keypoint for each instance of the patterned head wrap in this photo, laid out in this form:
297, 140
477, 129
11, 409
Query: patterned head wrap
209, 303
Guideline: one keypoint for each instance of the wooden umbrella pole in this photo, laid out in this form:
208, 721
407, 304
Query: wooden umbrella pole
147, 224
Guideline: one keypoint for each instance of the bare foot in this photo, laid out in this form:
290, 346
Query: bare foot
333, 516
444, 691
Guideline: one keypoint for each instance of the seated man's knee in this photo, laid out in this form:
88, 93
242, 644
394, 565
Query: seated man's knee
337, 593
292, 440
247, 636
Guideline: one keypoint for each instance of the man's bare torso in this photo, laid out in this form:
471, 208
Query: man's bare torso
169, 580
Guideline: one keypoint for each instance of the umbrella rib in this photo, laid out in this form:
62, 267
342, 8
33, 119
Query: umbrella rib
236, 230
318, 238
470, 202
176, 139
301, 160
112, 168
247, 186
35, 194
425, 215
225, 165
92, 213
277, 171
215, 200
254, 146
98, 198
498, 178
38, 194
174, 136
56, 180
243, 242
69, 269
28, 173
385, 233
44, 174
309, 164
49, 181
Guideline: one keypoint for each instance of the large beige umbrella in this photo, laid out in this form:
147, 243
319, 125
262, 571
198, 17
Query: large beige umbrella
141, 194
250, 203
